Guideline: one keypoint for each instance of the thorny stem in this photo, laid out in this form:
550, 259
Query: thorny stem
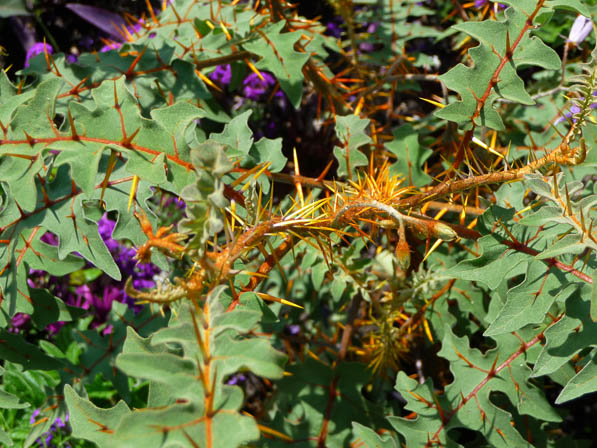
520, 247
392, 212
291, 179
563, 155
429, 226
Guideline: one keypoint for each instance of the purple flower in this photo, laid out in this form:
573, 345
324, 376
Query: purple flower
573, 111
55, 327
236, 378
366, 47
333, 27
111, 293
112, 45
58, 426
105, 227
98, 295
136, 27
34, 416
115, 45
143, 283
125, 259
481, 3
254, 87
18, 322
84, 297
50, 238
581, 28
37, 48
222, 74
61, 424
178, 203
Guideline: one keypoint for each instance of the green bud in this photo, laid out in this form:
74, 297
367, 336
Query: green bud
444, 232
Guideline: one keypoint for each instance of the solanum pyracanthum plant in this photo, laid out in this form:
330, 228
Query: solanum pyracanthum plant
388, 231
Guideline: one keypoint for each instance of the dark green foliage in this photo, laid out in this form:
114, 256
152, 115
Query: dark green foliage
337, 312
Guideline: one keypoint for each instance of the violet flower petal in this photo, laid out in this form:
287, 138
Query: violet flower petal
581, 28
36, 49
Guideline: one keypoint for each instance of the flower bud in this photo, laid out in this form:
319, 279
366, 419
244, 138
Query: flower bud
444, 232
402, 255
581, 28
424, 229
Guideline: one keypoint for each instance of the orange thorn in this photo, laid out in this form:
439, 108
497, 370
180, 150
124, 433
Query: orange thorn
73, 129
130, 70
116, 105
176, 13
127, 141
30, 139
151, 13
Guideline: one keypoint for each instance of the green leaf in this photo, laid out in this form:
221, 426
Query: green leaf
146, 427
304, 396
15, 349
268, 150
350, 130
184, 409
489, 268
337, 288
424, 428
237, 135
9, 401
366, 437
529, 302
466, 402
49, 308
52, 350
560, 208
569, 335
475, 83
45, 258
100, 350
92, 423
528, 6
411, 156
24, 125
279, 57
4, 438
14, 8
584, 382
109, 119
